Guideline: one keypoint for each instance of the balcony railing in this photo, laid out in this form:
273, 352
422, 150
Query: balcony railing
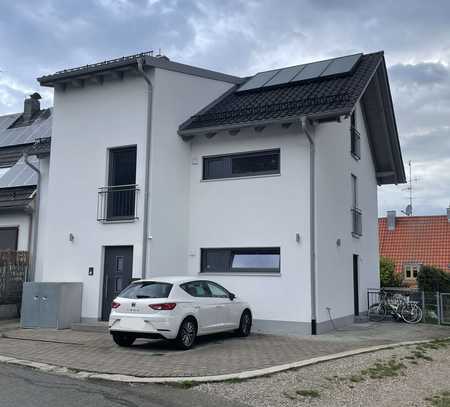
356, 222
355, 143
117, 203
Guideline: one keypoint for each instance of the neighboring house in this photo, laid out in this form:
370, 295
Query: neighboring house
414, 241
21, 133
266, 184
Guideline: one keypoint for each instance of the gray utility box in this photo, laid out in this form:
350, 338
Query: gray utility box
51, 305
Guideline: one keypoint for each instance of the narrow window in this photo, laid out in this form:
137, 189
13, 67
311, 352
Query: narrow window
242, 164
121, 189
241, 260
355, 138
356, 212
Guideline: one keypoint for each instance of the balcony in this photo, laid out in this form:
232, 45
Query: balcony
356, 222
117, 203
355, 143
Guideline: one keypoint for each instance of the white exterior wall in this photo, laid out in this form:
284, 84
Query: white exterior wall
264, 211
88, 121
19, 220
334, 166
176, 98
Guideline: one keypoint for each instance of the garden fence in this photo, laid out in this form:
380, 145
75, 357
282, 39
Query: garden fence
13, 272
435, 305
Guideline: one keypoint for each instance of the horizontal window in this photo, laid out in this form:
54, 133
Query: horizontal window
241, 260
242, 164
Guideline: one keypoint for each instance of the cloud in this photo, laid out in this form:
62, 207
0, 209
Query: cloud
244, 36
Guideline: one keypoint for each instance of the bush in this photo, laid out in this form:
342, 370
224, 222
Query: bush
431, 278
388, 276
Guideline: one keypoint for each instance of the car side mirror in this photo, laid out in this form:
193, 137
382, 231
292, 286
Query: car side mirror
232, 296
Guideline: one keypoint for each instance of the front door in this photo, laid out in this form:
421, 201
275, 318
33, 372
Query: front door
117, 274
356, 284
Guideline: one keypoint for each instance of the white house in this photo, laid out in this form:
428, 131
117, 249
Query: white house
266, 184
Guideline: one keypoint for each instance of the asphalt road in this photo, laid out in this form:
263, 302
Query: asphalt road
23, 387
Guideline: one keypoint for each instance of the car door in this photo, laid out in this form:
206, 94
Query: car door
204, 305
223, 305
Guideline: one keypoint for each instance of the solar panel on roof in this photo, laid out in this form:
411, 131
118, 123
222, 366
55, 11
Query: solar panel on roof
311, 71
285, 75
341, 65
298, 73
258, 80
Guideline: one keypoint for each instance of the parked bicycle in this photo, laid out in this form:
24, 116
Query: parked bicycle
397, 305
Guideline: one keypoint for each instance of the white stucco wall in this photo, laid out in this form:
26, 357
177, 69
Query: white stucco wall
264, 211
20, 220
86, 122
176, 98
334, 166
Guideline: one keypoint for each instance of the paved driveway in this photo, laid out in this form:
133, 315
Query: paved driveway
220, 354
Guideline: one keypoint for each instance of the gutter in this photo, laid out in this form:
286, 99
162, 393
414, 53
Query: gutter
32, 272
312, 222
140, 67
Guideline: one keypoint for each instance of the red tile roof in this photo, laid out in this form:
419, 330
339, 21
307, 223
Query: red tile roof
421, 239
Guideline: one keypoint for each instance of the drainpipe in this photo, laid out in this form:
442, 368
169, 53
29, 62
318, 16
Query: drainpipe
312, 222
31, 275
140, 64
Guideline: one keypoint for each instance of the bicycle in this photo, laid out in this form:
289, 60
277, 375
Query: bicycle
397, 305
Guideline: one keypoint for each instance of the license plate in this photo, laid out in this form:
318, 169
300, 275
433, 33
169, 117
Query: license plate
131, 323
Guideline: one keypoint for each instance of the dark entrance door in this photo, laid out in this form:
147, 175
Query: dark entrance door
117, 274
356, 284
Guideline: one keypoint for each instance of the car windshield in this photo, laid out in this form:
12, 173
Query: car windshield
146, 289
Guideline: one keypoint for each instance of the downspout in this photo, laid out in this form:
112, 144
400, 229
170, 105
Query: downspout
31, 275
140, 63
312, 220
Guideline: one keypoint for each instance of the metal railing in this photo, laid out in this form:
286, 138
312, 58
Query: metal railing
435, 305
117, 203
356, 222
355, 143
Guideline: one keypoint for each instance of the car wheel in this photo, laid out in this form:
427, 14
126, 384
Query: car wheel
245, 325
187, 334
123, 339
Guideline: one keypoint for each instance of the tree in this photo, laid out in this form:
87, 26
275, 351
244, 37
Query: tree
431, 278
388, 276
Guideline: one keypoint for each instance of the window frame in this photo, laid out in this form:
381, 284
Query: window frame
229, 164
410, 267
232, 251
355, 138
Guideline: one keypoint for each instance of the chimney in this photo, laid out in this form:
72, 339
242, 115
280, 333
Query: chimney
391, 220
31, 106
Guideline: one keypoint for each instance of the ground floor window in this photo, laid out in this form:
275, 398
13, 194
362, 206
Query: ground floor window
241, 260
8, 238
411, 271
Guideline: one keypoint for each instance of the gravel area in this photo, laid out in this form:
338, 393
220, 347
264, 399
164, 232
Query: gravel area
404, 376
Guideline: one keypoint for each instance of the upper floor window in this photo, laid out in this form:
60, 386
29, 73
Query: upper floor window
355, 138
242, 164
356, 212
117, 201
411, 271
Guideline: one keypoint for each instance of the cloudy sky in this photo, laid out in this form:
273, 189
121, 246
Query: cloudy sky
242, 37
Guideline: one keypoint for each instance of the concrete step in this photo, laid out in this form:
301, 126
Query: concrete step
99, 326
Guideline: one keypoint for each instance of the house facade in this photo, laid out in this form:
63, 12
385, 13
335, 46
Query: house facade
159, 168
414, 241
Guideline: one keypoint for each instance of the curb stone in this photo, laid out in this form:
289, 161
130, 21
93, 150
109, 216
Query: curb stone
249, 374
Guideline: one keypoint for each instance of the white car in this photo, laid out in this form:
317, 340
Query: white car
176, 308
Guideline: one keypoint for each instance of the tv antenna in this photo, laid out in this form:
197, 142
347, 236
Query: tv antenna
408, 211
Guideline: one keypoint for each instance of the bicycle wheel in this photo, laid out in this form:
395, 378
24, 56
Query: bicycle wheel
377, 312
411, 313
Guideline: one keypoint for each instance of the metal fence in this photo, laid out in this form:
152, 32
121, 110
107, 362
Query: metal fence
117, 203
13, 272
435, 305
